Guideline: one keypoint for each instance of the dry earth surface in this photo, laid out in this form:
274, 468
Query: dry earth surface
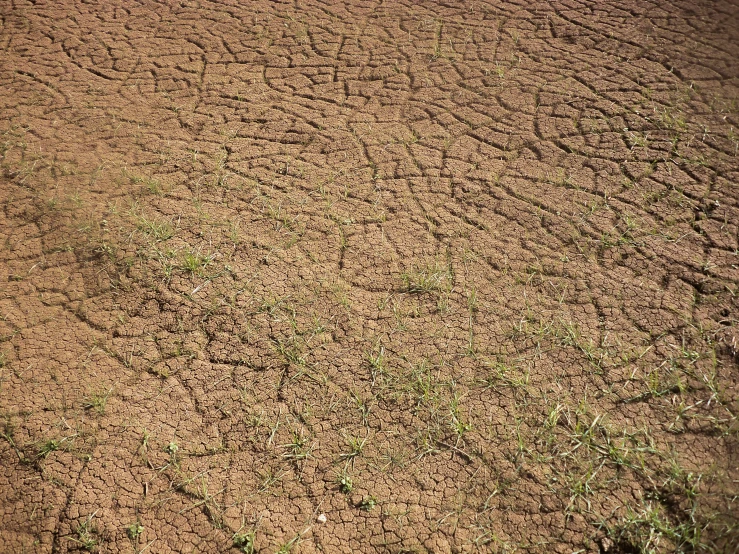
369, 276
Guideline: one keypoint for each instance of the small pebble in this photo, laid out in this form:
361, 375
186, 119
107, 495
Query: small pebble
321, 518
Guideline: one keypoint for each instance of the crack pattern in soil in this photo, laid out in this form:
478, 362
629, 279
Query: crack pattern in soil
369, 276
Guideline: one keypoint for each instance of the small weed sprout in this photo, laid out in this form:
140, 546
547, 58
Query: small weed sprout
459, 426
346, 484
86, 534
172, 449
194, 262
158, 230
48, 447
97, 401
289, 545
134, 530
376, 361
356, 445
368, 504
297, 449
245, 542
432, 279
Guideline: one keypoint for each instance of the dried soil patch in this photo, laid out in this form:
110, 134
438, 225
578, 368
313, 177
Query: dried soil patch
369, 277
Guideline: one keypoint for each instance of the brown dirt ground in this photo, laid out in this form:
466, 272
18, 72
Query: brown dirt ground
369, 276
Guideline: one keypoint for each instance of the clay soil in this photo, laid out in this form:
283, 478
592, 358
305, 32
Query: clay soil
369, 276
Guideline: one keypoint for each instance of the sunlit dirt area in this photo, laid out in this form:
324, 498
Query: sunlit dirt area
369, 276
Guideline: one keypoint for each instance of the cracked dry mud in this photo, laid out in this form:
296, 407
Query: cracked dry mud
369, 276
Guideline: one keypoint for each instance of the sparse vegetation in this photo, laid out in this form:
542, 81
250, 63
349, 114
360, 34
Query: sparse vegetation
377, 281
86, 534
432, 279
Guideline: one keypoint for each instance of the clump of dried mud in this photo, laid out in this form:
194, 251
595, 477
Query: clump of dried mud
369, 277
